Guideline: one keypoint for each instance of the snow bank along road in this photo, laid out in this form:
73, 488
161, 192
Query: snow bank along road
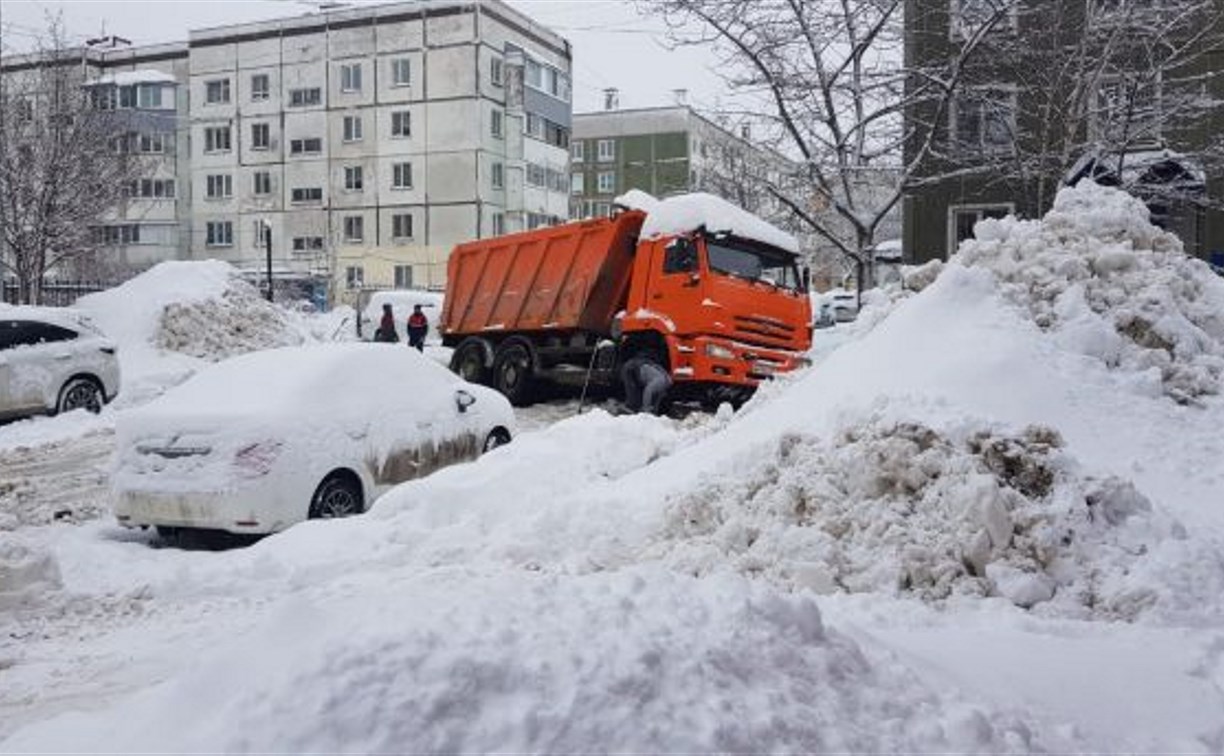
989, 522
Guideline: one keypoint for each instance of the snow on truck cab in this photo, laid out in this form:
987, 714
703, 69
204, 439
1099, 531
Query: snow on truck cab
714, 292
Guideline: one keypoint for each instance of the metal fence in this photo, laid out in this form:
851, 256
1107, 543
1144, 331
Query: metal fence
57, 293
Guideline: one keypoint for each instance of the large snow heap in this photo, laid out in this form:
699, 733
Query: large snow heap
1097, 274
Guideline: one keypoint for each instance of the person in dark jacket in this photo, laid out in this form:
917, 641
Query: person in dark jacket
418, 326
646, 383
386, 327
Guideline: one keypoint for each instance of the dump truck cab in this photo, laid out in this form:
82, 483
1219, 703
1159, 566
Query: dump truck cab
725, 309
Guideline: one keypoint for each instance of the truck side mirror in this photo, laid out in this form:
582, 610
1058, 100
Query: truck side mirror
807, 278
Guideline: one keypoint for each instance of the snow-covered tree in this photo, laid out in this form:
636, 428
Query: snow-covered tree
63, 168
828, 82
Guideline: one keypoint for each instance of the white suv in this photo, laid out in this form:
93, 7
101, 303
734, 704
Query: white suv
52, 361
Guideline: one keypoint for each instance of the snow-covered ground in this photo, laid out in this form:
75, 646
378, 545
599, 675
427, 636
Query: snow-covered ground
989, 519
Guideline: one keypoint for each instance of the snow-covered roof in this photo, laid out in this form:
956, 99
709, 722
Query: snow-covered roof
142, 76
62, 316
686, 213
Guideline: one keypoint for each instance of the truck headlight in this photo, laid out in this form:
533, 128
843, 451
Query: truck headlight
719, 352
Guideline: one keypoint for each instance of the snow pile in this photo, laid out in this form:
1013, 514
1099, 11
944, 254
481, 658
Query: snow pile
1109, 284
686, 213
174, 317
642, 661
25, 574
901, 508
636, 199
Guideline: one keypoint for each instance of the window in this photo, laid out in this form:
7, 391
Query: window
261, 136
260, 88
577, 183
155, 188
557, 136
962, 219
401, 176
535, 175
401, 226
302, 97
350, 77
535, 126
154, 142
307, 194
102, 98
127, 233
533, 74
353, 178
352, 128
499, 175
401, 123
263, 183
495, 126
307, 243
217, 139
983, 120
577, 149
970, 15
499, 224
403, 276
150, 95
556, 180
219, 233
217, 91
312, 146
680, 257
495, 72
607, 182
219, 186
354, 228
354, 277
401, 72
607, 150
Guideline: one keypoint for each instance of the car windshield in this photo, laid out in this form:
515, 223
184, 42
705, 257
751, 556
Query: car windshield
753, 262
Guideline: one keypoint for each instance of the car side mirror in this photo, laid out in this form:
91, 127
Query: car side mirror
463, 400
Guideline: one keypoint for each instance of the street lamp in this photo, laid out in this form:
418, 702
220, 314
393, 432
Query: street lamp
267, 229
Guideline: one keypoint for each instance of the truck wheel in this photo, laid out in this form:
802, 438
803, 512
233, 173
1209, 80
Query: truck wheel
512, 373
468, 362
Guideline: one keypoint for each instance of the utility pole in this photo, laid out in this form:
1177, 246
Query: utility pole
268, 250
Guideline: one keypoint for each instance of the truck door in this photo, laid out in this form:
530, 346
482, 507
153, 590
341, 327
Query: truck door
676, 288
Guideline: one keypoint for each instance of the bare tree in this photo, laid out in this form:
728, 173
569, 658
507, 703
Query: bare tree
1102, 89
63, 166
829, 80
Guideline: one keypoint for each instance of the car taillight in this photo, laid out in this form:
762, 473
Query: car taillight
254, 460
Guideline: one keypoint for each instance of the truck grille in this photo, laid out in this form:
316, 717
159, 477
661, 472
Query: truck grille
762, 331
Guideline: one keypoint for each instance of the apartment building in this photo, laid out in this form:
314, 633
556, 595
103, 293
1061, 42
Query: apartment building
367, 141
1126, 92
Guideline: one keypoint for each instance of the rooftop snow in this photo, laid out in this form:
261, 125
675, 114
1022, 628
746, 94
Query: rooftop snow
688, 212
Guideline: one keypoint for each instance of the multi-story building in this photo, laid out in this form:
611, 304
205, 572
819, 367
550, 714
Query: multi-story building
1122, 91
661, 151
367, 141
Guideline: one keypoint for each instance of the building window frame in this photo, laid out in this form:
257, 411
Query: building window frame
306, 195
217, 140
261, 136
354, 228
216, 91
354, 276
577, 150
606, 150
354, 178
306, 146
305, 97
497, 76
262, 183
976, 143
401, 176
218, 186
497, 125
982, 211
219, 234
402, 226
403, 276
261, 87
353, 128
606, 182
401, 72
401, 124
350, 78
497, 176
960, 28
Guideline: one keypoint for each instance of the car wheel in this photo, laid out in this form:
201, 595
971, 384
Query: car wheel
512, 373
468, 362
80, 393
339, 495
497, 437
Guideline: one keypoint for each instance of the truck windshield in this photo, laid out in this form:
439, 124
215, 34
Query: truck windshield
753, 263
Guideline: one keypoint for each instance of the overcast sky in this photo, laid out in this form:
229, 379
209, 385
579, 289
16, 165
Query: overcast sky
613, 46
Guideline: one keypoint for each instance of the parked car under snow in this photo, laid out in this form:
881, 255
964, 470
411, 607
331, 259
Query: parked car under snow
262, 441
53, 360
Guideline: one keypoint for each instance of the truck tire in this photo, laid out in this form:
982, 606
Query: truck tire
468, 361
512, 372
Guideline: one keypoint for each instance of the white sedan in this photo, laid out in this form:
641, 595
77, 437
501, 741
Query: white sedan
262, 441
53, 360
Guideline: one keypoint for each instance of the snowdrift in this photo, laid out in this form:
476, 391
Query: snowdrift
997, 485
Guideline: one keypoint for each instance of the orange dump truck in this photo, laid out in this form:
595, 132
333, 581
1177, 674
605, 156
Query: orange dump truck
720, 310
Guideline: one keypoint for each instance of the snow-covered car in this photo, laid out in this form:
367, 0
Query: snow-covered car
262, 441
53, 360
